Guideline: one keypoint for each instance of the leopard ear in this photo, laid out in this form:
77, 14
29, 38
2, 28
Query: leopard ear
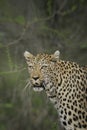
55, 56
27, 55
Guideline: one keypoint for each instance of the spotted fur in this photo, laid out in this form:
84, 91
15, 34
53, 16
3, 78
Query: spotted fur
65, 84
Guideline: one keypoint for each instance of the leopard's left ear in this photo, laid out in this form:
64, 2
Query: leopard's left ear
27, 55
57, 54
55, 57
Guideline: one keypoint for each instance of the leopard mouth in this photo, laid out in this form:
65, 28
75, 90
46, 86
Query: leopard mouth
37, 87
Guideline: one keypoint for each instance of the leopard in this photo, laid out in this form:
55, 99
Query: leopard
64, 82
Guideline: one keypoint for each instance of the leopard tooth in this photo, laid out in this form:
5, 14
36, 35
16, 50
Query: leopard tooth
37, 89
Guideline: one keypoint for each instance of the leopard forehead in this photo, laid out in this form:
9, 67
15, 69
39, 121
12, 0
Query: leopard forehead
39, 59
42, 58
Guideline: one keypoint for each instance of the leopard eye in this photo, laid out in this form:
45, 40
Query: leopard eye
44, 66
30, 66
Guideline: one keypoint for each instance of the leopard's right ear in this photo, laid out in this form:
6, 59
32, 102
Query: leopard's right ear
27, 55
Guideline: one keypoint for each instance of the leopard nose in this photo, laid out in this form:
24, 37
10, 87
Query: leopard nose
35, 77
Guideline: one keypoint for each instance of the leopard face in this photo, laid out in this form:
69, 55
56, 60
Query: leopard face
39, 67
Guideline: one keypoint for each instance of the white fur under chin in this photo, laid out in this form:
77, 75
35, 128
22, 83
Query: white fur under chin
37, 89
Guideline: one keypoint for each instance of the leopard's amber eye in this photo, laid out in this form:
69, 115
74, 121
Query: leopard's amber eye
44, 66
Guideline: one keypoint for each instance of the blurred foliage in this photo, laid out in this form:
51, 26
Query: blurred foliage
37, 26
20, 20
7, 11
49, 6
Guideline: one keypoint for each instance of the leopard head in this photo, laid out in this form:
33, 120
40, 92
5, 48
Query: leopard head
40, 67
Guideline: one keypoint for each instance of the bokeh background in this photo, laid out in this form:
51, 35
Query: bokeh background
37, 26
